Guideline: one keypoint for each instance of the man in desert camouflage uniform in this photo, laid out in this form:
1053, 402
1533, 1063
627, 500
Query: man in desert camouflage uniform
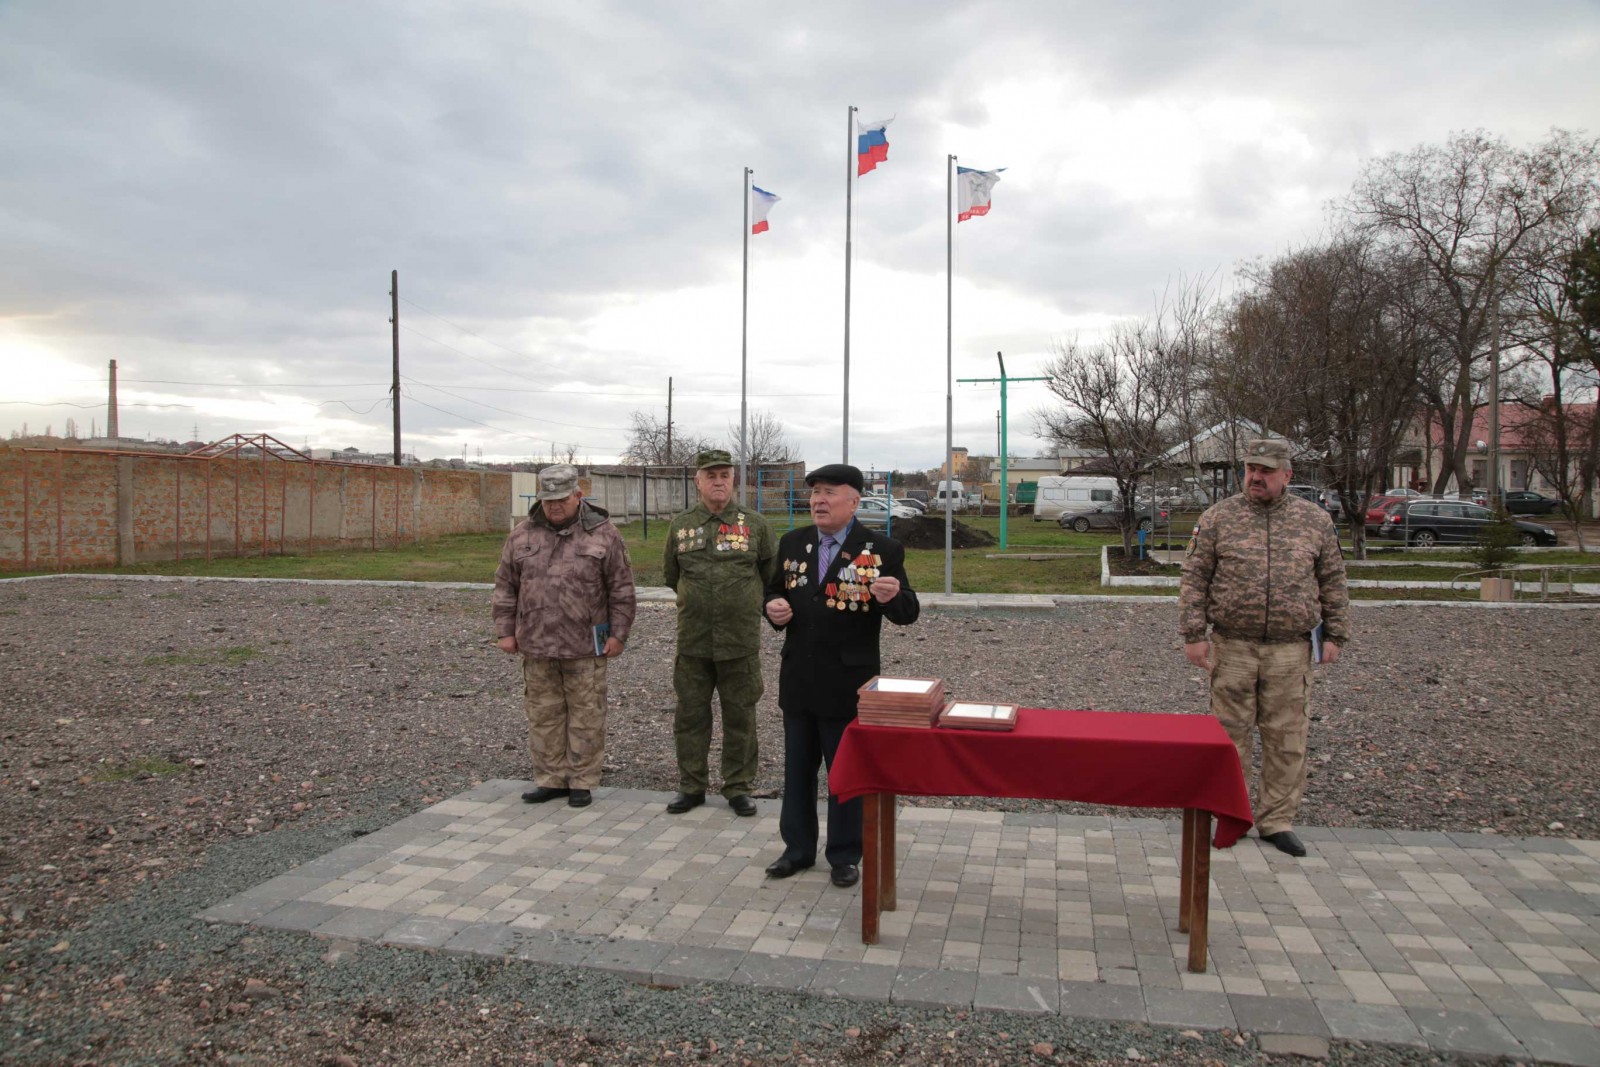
1264, 570
564, 572
719, 558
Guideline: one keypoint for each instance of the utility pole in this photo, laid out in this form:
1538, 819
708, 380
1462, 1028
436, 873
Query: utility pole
668, 456
394, 320
1005, 465
111, 405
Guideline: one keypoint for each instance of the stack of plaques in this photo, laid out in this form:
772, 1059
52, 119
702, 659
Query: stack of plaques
901, 702
967, 715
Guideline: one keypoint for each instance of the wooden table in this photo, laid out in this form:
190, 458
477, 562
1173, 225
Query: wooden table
1118, 758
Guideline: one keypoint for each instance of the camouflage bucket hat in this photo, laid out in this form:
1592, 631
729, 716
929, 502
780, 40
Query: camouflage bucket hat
1269, 452
558, 482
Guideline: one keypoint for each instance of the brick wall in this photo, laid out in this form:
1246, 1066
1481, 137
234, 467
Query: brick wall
112, 508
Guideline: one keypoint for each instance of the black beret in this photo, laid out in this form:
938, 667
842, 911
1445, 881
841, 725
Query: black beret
839, 474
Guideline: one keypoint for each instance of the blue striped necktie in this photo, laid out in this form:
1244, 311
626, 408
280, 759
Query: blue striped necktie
825, 552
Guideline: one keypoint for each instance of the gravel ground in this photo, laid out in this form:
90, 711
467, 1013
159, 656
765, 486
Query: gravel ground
168, 744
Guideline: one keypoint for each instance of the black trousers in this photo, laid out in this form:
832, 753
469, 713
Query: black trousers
807, 743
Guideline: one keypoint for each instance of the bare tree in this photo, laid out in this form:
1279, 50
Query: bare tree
1468, 212
650, 444
1334, 329
765, 439
1117, 398
1557, 317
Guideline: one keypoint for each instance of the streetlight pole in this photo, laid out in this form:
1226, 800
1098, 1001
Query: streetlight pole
1005, 464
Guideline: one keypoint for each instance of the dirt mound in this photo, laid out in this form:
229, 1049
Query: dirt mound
927, 531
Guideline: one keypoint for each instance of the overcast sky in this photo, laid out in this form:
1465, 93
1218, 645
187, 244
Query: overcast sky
214, 194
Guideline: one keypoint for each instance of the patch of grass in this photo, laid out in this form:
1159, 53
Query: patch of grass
228, 657
159, 766
472, 558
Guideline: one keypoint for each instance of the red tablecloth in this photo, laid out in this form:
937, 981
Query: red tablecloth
1099, 757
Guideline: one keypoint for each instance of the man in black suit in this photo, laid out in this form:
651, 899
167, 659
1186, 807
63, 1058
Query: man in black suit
836, 583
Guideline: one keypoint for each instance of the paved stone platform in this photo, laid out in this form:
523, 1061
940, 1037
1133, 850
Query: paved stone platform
1465, 944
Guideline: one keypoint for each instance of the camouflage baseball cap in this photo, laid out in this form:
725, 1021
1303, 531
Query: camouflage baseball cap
1269, 452
558, 482
713, 457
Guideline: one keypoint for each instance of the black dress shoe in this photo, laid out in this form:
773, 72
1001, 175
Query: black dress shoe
1285, 841
580, 798
783, 867
542, 794
682, 802
846, 875
741, 805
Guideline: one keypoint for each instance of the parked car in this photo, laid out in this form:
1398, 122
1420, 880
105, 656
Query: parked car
873, 511
1427, 522
1330, 502
919, 506
1526, 502
1106, 517
1378, 507
1380, 511
1305, 492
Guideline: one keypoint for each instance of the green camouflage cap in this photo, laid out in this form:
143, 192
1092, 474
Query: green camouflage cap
1269, 452
713, 457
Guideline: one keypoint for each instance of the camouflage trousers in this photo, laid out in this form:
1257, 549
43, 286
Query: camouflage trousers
1256, 686
738, 685
565, 701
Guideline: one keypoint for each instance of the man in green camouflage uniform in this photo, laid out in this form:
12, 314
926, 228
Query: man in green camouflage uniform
719, 557
1264, 570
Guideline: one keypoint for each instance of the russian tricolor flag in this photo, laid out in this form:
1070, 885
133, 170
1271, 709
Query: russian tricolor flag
974, 191
872, 145
761, 202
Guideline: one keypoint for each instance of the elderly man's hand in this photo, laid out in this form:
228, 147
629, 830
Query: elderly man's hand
507, 644
1330, 652
613, 647
1199, 653
779, 611
884, 588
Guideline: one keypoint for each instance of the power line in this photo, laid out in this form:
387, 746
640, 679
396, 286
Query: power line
503, 411
508, 433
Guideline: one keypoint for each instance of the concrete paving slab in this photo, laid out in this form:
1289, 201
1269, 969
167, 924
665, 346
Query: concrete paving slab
926, 987
788, 974
854, 980
1466, 1033
686, 965
1467, 944
1189, 1010
1026, 996
1556, 1042
1372, 1023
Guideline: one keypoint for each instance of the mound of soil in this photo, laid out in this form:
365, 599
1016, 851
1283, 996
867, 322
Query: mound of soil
1133, 565
927, 531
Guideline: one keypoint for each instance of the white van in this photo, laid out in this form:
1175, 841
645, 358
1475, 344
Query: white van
1066, 493
950, 496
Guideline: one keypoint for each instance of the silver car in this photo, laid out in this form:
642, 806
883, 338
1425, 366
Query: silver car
1107, 517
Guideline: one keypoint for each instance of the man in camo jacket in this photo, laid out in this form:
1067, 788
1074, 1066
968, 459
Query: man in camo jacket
1264, 570
563, 572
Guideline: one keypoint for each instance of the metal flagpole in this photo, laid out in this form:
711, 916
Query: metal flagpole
949, 368
849, 194
744, 334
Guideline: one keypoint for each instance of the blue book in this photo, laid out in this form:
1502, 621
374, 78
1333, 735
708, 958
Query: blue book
602, 630
1316, 643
